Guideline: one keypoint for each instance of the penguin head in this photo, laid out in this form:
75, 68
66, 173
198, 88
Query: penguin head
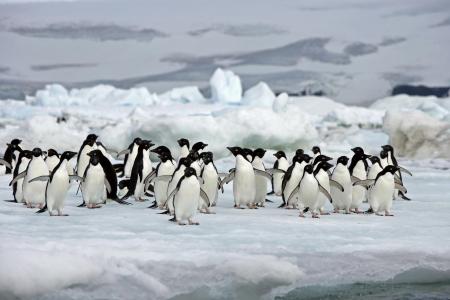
160, 150
165, 156
188, 172
324, 165
321, 158
94, 157
37, 152
235, 150
67, 155
207, 157
145, 144
306, 158
52, 152
280, 154
183, 142
137, 141
358, 150
14, 142
299, 152
342, 160
193, 155
316, 150
308, 169
259, 152
383, 154
374, 159
388, 148
248, 154
391, 169
28, 154
186, 161
198, 146
92, 137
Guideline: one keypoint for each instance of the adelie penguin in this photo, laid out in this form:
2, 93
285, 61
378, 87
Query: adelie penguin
130, 155
186, 197
184, 148
292, 178
321, 173
142, 168
83, 158
308, 191
98, 176
52, 159
24, 159
260, 181
198, 163
391, 160
13, 149
358, 171
165, 167
381, 189
34, 192
277, 178
342, 198
58, 183
316, 151
183, 163
210, 182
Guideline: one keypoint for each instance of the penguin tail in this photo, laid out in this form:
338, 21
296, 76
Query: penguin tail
403, 196
268, 200
166, 212
282, 205
82, 204
121, 200
148, 194
173, 219
13, 200
369, 211
306, 210
44, 209
271, 193
154, 205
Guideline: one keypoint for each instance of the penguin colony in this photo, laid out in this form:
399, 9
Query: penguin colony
192, 183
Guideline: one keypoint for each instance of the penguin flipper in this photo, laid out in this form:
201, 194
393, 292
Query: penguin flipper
227, 179
154, 205
325, 192
404, 197
19, 176
366, 182
173, 193
401, 188
402, 169
262, 173
166, 178
123, 152
5, 163
42, 209
40, 178
354, 179
204, 196
336, 184
293, 193
272, 171
108, 186
271, 193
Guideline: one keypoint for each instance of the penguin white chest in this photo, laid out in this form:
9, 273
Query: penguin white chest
244, 182
83, 162
342, 199
210, 180
260, 182
52, 162
172, 185
358, 192
187, 198
380, 194
19, 190
130, 161
165, 168
57, 189
308, 192
34, 192
283, 164
294, 180
324, 180
94, 185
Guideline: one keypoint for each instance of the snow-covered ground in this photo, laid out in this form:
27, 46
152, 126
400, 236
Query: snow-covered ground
131, 252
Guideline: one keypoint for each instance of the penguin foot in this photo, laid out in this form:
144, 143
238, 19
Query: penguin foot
239, 207
181, 223
388, 214
357, 211
193, 222
91, 206
324, 213
378, 214
316, 216
301, 215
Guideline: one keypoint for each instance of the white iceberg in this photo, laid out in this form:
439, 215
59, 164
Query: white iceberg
226, 87
259, 95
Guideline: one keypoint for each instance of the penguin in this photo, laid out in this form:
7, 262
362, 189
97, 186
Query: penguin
308, 191
24, 159
321, 174
299, 152
13, 148
280, 164
52, 159
243, 177
292, 178
249, 154
165, 167
123, 187
142, 168
381, 189
34, 192
105, 151
83, 158
183, 163
391, 160
130, 156
320, 158
260, 181
198, 163
210, 182
342, 199
57, 185
186, 197
375, 168
316, 151
184, 148
358, 171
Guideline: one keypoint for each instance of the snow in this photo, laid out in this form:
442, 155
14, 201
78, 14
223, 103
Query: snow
132, 252
226, 87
